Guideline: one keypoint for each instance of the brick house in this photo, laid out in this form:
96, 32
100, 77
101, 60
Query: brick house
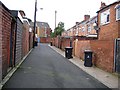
107, 44
43, 32
109, 32
81, 30
84, 28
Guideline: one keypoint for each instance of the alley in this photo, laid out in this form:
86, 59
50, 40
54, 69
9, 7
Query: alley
45, 68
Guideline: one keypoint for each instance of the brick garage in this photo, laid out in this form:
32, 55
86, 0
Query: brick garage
25, 39
5, 31
18, 37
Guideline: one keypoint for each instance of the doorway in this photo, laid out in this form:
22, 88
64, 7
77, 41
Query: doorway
117, 55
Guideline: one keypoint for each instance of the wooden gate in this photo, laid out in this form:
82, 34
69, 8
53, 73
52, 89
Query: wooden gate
117, 55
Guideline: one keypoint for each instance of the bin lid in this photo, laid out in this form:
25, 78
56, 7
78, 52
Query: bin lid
68, 47
88, 51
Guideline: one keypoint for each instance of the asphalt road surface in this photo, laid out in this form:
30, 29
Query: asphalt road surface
45, 68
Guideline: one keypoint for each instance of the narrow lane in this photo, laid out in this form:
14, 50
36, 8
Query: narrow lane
45, 68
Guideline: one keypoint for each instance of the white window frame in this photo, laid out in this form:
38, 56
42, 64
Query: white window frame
104, 16
89, 28
117, 7
83, 29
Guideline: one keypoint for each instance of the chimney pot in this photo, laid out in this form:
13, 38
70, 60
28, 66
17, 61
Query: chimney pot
102, 5
86, 17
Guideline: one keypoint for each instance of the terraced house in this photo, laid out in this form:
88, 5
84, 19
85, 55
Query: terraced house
109, 33
101, 34
43, 32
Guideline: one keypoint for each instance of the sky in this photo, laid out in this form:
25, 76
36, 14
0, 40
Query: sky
68, 11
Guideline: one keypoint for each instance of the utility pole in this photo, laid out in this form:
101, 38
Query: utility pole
55, 18
55, 22
34, 31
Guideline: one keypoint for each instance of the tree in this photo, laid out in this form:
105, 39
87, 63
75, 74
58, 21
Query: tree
52, 34
59, 29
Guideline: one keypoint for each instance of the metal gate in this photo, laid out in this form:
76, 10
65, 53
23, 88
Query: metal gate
117, 55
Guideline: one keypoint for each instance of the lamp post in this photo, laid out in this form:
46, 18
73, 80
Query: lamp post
55, 18
34, 31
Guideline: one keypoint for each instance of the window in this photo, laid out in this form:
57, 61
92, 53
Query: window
83, 29
89, 28
118, 12
105, 17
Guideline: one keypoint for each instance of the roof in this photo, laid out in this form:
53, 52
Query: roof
27, 19
4, 6
92, 20
43, 24
32, 24
1, 4
118, 1
16, 14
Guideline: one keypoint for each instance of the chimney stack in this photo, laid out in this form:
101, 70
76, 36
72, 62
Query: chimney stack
77, 23
22, 13
86, 17
102, 5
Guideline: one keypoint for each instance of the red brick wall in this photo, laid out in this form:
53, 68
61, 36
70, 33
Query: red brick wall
30, 40
25, 46
61, 42
42, 40
103, 54
5, 23
80, 46
56, 41
102, 57
45, 39
65, 43
0, 42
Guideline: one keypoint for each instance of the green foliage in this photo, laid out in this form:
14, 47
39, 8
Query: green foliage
58, 30
52, 35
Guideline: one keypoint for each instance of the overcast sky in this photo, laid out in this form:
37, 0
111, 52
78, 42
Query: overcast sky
68, 11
